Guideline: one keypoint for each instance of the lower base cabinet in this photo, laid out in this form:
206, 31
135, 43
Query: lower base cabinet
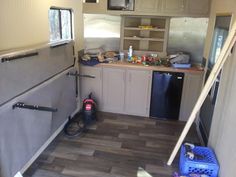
126, 91
118, 90
138, 91
191, 91
113, 90
24, 131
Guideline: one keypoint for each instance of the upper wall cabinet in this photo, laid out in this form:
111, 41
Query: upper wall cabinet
134, 32
173, 6
95, 8
200, 7
149, 6
184, 8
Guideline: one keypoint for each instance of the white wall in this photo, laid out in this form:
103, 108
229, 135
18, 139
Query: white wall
25, 23
223, 131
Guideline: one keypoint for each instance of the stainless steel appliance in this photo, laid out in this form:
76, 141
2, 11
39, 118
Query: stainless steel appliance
120, 4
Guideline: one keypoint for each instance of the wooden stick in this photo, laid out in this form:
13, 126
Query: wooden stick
229, 43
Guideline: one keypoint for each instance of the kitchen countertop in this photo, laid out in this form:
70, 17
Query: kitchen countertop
193, 69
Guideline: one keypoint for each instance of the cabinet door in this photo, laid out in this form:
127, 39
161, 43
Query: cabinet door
113, 90
137, 99
94, 85
150, 6
173, 6
191, 90
98, 7
198, 7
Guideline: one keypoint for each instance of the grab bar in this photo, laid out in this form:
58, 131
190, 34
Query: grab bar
58, 45
7, 59
81, 75
33, 107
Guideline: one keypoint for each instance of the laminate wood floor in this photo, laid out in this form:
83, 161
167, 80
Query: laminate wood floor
117, 146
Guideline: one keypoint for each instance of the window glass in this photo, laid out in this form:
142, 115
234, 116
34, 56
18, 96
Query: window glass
221, 29
66, 24
54, 25
60, 24
219, 38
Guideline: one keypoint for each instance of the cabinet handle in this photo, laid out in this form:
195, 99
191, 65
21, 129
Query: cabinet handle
179, 78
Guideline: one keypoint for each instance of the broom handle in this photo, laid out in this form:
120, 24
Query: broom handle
229, 43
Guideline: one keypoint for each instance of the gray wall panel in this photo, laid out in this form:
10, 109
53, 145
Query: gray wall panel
20, 75
23, 132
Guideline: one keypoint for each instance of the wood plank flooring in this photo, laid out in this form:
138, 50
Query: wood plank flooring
115, 147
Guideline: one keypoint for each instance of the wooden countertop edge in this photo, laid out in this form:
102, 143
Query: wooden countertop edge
192, 70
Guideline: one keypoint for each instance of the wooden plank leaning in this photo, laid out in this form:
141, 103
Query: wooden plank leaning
229, 43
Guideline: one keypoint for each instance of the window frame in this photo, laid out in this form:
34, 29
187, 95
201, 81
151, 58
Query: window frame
60, 22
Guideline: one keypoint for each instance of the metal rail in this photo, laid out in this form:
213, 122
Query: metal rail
17, 57
33, 107
81, 75
58, 45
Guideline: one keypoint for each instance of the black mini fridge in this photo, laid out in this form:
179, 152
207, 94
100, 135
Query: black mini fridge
166, 95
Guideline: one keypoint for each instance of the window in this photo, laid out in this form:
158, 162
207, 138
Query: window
219, 38
60, 24
221, 29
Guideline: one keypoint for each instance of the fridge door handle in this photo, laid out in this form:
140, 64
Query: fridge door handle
179, 78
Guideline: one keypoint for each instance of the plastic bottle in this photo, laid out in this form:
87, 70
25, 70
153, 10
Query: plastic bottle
130, 53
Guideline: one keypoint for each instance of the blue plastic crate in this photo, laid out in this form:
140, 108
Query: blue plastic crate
207, 165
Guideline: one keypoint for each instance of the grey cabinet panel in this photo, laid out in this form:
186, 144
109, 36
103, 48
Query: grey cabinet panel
200, 7
149, 6
20, 75
94, 85
191, 90
173, 6
113, 90
23, 131
64, 99
137, 99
